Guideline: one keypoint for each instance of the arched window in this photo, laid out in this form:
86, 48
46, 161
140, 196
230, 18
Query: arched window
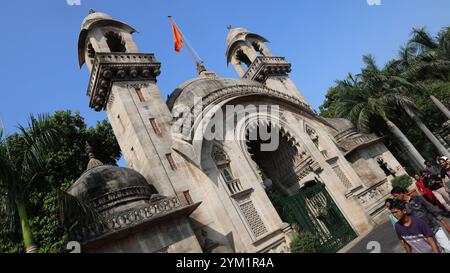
243, 58
115, 42
226, 173
258, 49
91, 53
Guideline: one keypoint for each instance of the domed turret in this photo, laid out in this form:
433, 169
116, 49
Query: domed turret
101, 33
243, 48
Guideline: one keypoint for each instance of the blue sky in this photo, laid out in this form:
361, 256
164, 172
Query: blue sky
323, 39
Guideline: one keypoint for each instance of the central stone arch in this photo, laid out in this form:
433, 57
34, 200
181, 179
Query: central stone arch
292, 182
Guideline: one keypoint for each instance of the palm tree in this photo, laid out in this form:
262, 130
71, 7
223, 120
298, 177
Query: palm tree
432, 56
432, 61
373, 95
22, 162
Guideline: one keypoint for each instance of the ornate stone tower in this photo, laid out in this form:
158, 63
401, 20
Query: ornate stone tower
123, 82
252, 59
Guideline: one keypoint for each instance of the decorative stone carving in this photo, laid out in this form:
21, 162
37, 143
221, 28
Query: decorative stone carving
312, 133
375, 193
112, 67
264, 67
219, 156
126, 219
129, 194
303, 165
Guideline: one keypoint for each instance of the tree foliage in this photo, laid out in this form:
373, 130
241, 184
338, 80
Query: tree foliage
421, 69
305, 242
404, 181
67, 161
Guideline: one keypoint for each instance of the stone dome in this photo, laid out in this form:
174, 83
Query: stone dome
94, 16
235, 33
111, 188
201, 87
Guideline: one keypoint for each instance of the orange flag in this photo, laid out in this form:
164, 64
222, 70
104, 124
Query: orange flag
178, 38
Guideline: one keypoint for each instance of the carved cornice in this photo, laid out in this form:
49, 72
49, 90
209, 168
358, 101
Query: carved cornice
303, 166
112, 199
374, 194
120, 221
359, 143
113, 67
264, 67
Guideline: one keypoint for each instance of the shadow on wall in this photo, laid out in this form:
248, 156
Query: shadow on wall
211, 240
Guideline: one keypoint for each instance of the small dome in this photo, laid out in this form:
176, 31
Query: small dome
237, 36
93, 17
97, 20
111, 187
235, 33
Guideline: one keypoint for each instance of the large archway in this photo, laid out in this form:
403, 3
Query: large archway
305, 204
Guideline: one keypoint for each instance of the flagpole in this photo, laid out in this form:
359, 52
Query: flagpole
200, 65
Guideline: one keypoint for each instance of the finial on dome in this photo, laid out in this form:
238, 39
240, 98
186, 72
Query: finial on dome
93, 162
229, 27
92, 11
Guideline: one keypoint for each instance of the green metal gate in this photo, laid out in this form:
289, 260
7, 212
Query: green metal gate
314, 211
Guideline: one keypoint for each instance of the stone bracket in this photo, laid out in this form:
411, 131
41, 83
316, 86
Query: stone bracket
264, 67
114, 67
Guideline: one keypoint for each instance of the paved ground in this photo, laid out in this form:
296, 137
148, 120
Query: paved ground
384, 235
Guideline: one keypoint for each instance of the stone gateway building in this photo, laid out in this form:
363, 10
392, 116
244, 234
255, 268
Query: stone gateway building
186, 191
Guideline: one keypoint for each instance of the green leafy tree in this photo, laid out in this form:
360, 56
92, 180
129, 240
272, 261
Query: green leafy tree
395, 101
67, 161
305, 242
404, 181
23, 162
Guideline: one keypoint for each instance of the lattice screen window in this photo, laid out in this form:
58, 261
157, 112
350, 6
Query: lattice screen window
253, 219
342, 176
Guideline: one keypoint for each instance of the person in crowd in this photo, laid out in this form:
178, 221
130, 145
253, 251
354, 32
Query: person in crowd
388, 204
438, 159
414, 233
434, 185
432, 169
422, 183
418, 207
445, 168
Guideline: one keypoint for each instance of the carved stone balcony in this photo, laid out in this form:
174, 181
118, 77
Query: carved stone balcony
112, 67
264, 67
234, 186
